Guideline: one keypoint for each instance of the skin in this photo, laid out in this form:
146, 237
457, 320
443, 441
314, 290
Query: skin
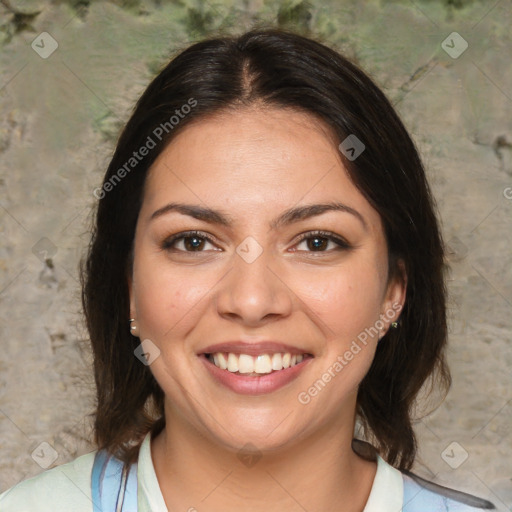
253, 164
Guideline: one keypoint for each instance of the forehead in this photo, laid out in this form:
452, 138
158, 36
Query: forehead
254, 161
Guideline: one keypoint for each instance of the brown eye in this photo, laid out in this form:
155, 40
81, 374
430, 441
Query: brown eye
193, 241
318, 241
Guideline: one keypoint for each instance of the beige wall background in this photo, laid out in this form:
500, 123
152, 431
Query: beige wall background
444, 64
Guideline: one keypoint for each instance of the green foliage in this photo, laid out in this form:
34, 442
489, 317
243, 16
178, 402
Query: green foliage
458, 4
108, 126
17, 22
81, 7
295, 16
203, 18
198, 22
449, 4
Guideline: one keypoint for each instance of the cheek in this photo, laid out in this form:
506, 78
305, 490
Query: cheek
166, 299
346, 306
346, 301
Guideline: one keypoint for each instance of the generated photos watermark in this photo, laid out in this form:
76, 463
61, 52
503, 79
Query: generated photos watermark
144, 150
304, 397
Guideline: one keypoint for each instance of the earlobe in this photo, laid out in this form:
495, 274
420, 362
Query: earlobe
395, 299
130, 295
134, 328
133, 309
399, 287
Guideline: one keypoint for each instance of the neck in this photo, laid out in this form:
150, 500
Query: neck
320, 472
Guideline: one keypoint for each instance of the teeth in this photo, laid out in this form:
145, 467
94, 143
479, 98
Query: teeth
277, 362
223, 363
232, 362
245, 363
264, 363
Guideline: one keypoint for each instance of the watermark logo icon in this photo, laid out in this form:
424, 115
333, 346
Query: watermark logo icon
44, 45
147, 352
44, 455
454, 455
454, 45
44, 249
249, 455
352, 147
456, 249
249, 249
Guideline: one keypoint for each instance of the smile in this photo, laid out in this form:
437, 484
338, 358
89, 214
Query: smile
245, 364
254, 375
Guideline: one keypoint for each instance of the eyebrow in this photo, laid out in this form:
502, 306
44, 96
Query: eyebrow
288, 217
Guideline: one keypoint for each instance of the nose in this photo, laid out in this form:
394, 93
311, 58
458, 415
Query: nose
254, 293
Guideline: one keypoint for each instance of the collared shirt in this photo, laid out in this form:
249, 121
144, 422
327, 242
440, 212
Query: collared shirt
68, 488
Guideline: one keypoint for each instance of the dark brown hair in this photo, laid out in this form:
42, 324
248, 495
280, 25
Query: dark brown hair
280, 69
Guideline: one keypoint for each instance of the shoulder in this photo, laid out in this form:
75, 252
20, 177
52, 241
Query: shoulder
395, 489
63, 488
421, 495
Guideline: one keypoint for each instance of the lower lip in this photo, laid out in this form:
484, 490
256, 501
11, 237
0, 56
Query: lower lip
255, 385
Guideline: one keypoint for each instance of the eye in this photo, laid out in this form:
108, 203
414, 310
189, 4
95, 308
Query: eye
320, 240
193, 241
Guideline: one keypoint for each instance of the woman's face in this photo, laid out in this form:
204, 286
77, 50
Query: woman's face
252, 279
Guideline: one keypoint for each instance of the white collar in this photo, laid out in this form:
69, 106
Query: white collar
387, 493
149, 495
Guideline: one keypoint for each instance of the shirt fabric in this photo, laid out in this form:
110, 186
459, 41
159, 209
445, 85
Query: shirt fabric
68, 488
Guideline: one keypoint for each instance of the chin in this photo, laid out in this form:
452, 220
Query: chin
264, 436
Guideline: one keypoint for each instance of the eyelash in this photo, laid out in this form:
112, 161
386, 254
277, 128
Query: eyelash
340, 242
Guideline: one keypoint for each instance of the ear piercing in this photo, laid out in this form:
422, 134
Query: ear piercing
134, 329
393, 325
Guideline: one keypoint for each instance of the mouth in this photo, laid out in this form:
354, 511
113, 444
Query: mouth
247, 365
259, 374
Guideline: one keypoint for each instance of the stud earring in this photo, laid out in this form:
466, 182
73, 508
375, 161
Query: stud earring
393, 325
133, 328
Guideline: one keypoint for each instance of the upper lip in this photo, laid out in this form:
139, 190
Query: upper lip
252, 349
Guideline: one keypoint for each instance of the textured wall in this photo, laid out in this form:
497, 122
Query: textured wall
59, 118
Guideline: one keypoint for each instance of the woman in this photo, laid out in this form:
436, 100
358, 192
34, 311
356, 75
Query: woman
266, 271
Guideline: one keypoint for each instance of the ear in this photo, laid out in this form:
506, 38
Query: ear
131, 293
133, 309
395, 296
134, 328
